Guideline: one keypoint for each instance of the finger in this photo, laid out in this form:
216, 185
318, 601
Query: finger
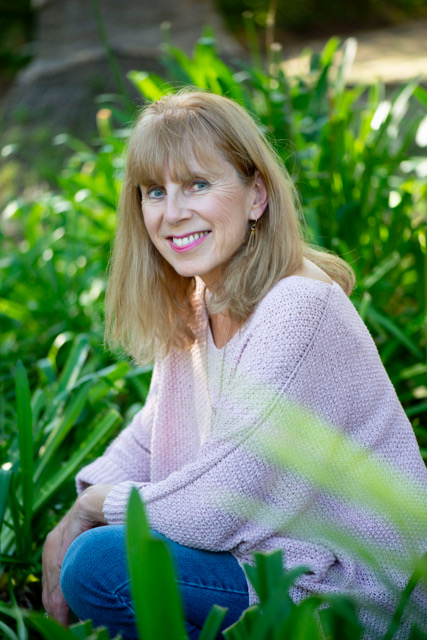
57, 607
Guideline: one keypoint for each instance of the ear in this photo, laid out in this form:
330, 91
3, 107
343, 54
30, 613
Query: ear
260, 198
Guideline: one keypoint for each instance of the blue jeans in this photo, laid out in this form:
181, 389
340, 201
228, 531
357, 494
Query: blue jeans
95, 582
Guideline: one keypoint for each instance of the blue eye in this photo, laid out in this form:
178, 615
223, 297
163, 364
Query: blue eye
199, 185
155, 193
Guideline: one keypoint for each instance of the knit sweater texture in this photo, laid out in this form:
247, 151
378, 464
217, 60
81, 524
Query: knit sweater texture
290, 437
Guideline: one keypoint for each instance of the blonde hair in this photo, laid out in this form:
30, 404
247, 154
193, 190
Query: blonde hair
149, 307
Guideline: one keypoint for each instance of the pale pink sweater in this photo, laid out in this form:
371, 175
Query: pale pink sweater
268, 468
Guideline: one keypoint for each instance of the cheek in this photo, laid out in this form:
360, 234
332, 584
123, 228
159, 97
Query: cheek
149, 219
230, 211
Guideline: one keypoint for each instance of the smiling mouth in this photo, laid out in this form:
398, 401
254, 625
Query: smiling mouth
183, 242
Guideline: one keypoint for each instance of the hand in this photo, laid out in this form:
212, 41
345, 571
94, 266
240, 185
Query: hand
86, 513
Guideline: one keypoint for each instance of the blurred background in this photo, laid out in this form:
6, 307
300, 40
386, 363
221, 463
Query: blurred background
53, 53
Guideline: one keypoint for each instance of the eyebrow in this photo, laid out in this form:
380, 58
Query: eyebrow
207, 174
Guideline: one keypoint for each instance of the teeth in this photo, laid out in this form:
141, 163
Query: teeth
182, 242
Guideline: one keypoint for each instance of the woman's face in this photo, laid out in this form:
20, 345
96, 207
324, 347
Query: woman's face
198, 226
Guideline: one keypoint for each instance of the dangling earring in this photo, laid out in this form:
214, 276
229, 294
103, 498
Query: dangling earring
250, 236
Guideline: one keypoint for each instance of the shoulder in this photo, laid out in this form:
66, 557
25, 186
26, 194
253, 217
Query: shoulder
297, 300
304, 311
301, 316
285, 325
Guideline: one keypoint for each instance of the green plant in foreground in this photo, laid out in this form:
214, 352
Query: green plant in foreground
275, 617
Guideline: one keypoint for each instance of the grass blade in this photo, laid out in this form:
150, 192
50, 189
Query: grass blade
303, 622
153, 584
104, 427
391, 327
241, 629
4, 491
7, 632
421, 95
25, 439
48, 627
212, 623
17, 612
75, 361
267, 573
419, 573
386, 265
417, 408
57, 436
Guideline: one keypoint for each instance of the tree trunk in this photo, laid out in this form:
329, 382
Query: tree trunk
71, 67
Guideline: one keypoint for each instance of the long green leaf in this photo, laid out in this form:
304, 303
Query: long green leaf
421, 95
10, 612
25, 438
57, 436
303, 622
266, 574
49, 628
386, 265
391, 327
419, 573
15, 510
7, 632
17, 612
82, 629
150, 85
329, 51
212, 623
105, 426
74, 363
4, 491
241, 629
416, 409
153, 584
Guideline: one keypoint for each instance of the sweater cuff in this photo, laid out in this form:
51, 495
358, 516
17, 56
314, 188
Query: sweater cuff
116, 503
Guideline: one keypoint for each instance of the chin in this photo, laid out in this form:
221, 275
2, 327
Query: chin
185, 273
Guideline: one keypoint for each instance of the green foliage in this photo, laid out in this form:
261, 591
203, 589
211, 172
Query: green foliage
55, 252
277, 616
52, 630
68, 418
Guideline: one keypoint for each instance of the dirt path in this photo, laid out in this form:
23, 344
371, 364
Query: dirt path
393, 54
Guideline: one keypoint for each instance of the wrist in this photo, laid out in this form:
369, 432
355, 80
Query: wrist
90, 503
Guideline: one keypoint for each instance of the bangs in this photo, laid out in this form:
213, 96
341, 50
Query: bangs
184, 146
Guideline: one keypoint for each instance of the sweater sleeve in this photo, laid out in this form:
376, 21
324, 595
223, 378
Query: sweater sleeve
205, 504
128, 456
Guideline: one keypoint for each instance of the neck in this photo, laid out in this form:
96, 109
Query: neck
222, 327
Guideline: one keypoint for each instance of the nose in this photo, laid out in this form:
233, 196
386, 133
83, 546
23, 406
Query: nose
176, 208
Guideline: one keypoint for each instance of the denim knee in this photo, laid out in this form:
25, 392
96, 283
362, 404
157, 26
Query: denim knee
73, 571
93, 567
95, 581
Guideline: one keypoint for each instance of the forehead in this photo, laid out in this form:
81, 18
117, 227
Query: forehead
182, 155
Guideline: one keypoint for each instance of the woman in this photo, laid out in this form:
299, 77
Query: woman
255, 342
